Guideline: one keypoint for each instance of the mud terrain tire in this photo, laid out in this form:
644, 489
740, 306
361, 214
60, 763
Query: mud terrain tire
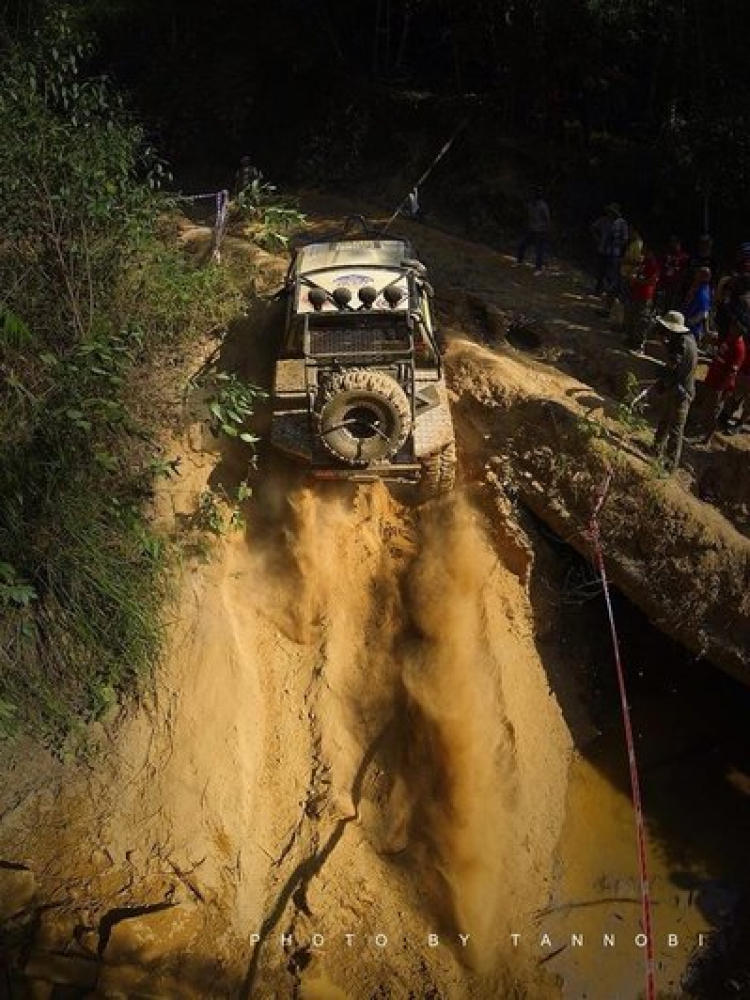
365, 417
438, 473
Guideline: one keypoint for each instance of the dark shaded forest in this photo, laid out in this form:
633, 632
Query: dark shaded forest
637, 100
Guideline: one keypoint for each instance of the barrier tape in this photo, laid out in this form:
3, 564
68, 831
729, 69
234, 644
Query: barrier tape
194, 197
640, 825
220, 221
220, 225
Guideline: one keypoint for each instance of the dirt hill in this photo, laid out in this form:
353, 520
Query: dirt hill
368, 735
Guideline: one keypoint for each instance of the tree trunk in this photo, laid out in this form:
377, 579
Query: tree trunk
405, 25
376, 38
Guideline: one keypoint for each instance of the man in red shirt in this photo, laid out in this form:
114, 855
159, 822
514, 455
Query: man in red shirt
640, 300
737, 407
721, 379
673, 274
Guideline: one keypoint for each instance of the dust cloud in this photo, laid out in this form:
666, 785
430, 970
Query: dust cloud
462, 776
353, 736
422, 641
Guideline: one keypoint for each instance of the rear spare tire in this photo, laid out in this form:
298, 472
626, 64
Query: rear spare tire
365, 416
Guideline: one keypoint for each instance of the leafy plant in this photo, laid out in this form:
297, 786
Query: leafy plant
232, 404
590, 429
629, 416
208, 515
92, 295
13, 590
8, 719
271, 217
14, 333
253, 198
218, 512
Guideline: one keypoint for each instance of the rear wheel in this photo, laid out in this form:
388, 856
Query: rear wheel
438, 472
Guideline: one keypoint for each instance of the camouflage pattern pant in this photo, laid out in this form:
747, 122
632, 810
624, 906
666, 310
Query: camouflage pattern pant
671, 429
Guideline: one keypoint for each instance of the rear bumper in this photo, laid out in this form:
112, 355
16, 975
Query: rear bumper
388, 473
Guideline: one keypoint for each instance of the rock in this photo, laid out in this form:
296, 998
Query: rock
63, 932
62, 970
201, 440
38, 989
152, 953
321, 989
17, 889
497, 322
150, 937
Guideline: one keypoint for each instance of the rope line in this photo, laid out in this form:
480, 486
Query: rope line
441, 153
640, 825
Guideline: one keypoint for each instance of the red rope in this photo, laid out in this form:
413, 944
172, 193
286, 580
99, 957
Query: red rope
640, 825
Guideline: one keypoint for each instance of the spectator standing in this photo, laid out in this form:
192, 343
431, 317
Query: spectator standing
245, 175
633, 255
413, 208
672, 279
721, 380
639, 301
737, 406
736, 410
538, 227
677, 389
698, 303
702, 256
610, 232
732, 292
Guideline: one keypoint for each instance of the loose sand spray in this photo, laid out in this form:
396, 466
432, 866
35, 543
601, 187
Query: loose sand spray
434, 725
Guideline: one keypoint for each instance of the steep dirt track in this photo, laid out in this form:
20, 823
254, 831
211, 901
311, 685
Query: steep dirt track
406, 646
358, 731
308, 769
548, 407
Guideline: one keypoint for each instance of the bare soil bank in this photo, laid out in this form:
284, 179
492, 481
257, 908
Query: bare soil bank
365, 726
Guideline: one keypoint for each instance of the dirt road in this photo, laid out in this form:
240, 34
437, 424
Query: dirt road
369, 766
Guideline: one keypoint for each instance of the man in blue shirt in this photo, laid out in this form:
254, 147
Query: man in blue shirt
698, 303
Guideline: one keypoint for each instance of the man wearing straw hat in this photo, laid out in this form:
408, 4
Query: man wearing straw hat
677, 389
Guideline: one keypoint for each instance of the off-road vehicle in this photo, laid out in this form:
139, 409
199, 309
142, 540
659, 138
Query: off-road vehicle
359, 390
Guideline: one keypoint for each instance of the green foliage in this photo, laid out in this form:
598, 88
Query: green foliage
170, 300
271, 218
208, 515
232, 404
70, 209
253, 197
590, 429
12, 589
218, 511
8, 725
92, 297
632, 418
14, 334
94, 623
